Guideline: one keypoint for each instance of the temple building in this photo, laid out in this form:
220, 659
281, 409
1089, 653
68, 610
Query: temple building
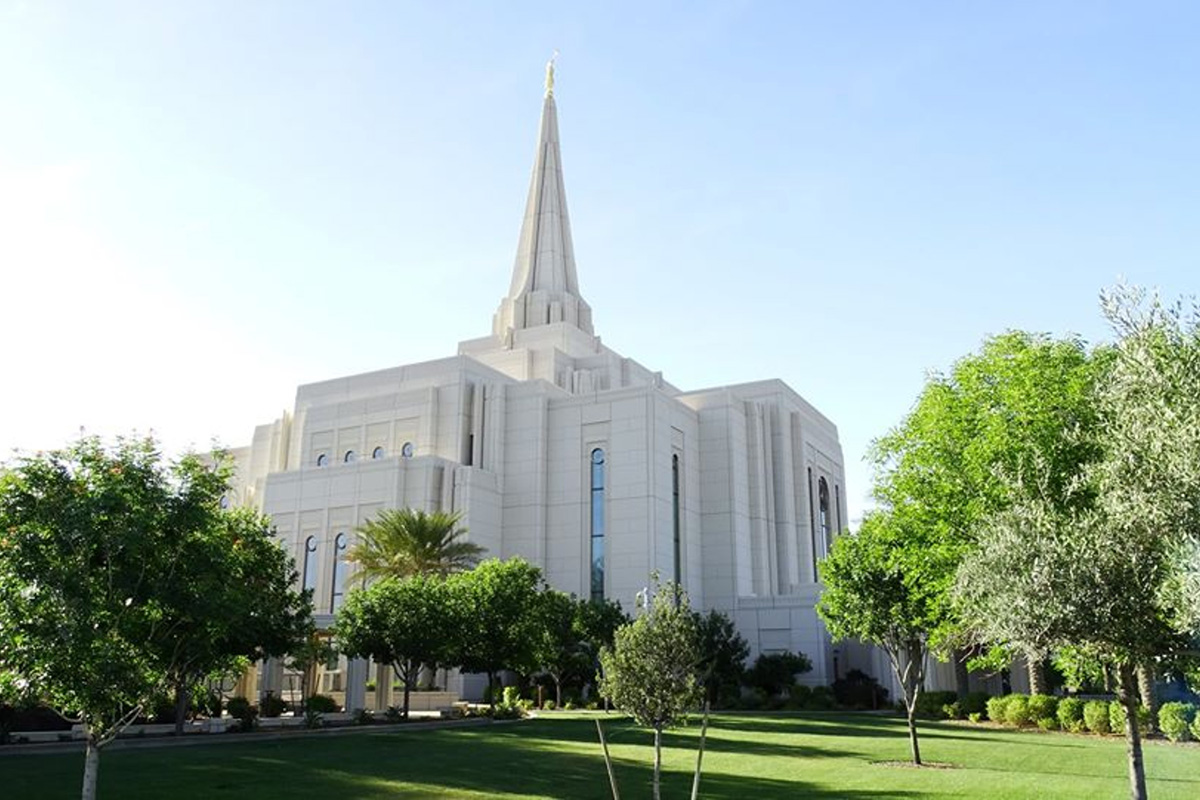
557, 449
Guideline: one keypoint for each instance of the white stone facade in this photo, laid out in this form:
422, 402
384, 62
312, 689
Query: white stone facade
750, 476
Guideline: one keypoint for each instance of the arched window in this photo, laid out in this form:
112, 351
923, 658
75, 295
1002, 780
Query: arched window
323, 460
224, 502
310, 563
676, 522
377, 453
823, 499
350, 457
339, 573
407, 450
597, 532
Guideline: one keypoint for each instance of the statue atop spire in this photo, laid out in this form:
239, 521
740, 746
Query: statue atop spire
550, 74
544, 288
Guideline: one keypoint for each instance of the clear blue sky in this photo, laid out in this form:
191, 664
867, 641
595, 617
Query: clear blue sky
204, 204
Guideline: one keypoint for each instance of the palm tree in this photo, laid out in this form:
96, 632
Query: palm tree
404, 542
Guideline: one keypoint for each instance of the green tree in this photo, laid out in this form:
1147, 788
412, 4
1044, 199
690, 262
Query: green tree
403, 542
231, 598
775, 673
498, 617
92, 547
403, 622
596, 625
884, 584
651, 672
1018, 419
723, 654
561, 651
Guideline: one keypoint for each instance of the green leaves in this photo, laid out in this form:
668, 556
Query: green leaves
403, 542
651, 671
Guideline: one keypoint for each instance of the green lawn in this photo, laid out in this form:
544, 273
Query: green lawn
749, 758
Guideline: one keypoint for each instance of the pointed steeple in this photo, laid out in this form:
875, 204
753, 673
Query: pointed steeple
544, 287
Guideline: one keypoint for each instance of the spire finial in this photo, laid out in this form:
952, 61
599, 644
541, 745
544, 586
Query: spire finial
550, 75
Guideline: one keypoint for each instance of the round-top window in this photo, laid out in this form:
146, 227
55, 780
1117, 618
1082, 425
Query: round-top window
407, 450
350, 457
323, 460
377, 453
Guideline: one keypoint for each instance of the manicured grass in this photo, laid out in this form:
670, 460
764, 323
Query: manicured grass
749, 758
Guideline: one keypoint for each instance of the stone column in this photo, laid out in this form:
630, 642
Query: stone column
383, 687
356, 684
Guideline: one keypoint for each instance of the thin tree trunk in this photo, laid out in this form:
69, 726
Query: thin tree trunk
1037, 675
657, 760
912, 733
962, 680
1133, 740
612, 778
1146, 688
181, 707
492, 690
91, 767
557, 692
700, 754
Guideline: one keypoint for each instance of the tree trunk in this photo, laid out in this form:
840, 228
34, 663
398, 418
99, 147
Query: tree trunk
912, 733
1146, 688
612, 778
91, 767
492, 690
1133, 740
962, 680
181, 707
657, 760
557, 692
700, 755
1037, 675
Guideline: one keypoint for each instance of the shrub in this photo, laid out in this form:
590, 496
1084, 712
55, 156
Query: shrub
362, 717
322, 704
272, 706
1173, 719
1043, 706
1047, 723
774, 673
1095, 717
799, 696
314, 719
549, 705
247, 715
975, 716
1070, 714
394, 714
569, 705
929, 704
858, 690
974, 703
510, 696
1195, 727
996, 706
820, 699
952, 710
1016, 713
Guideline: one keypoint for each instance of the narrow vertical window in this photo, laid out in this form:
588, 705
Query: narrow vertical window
676, 522
837, 505
812, 524
338, 592
310, 563
823, 498
597, 532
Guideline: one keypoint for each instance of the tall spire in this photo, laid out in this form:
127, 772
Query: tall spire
544, 287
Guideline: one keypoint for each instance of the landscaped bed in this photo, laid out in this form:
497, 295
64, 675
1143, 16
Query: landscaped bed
749, 757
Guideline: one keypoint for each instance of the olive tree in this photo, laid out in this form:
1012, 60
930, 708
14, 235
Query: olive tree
652, 670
